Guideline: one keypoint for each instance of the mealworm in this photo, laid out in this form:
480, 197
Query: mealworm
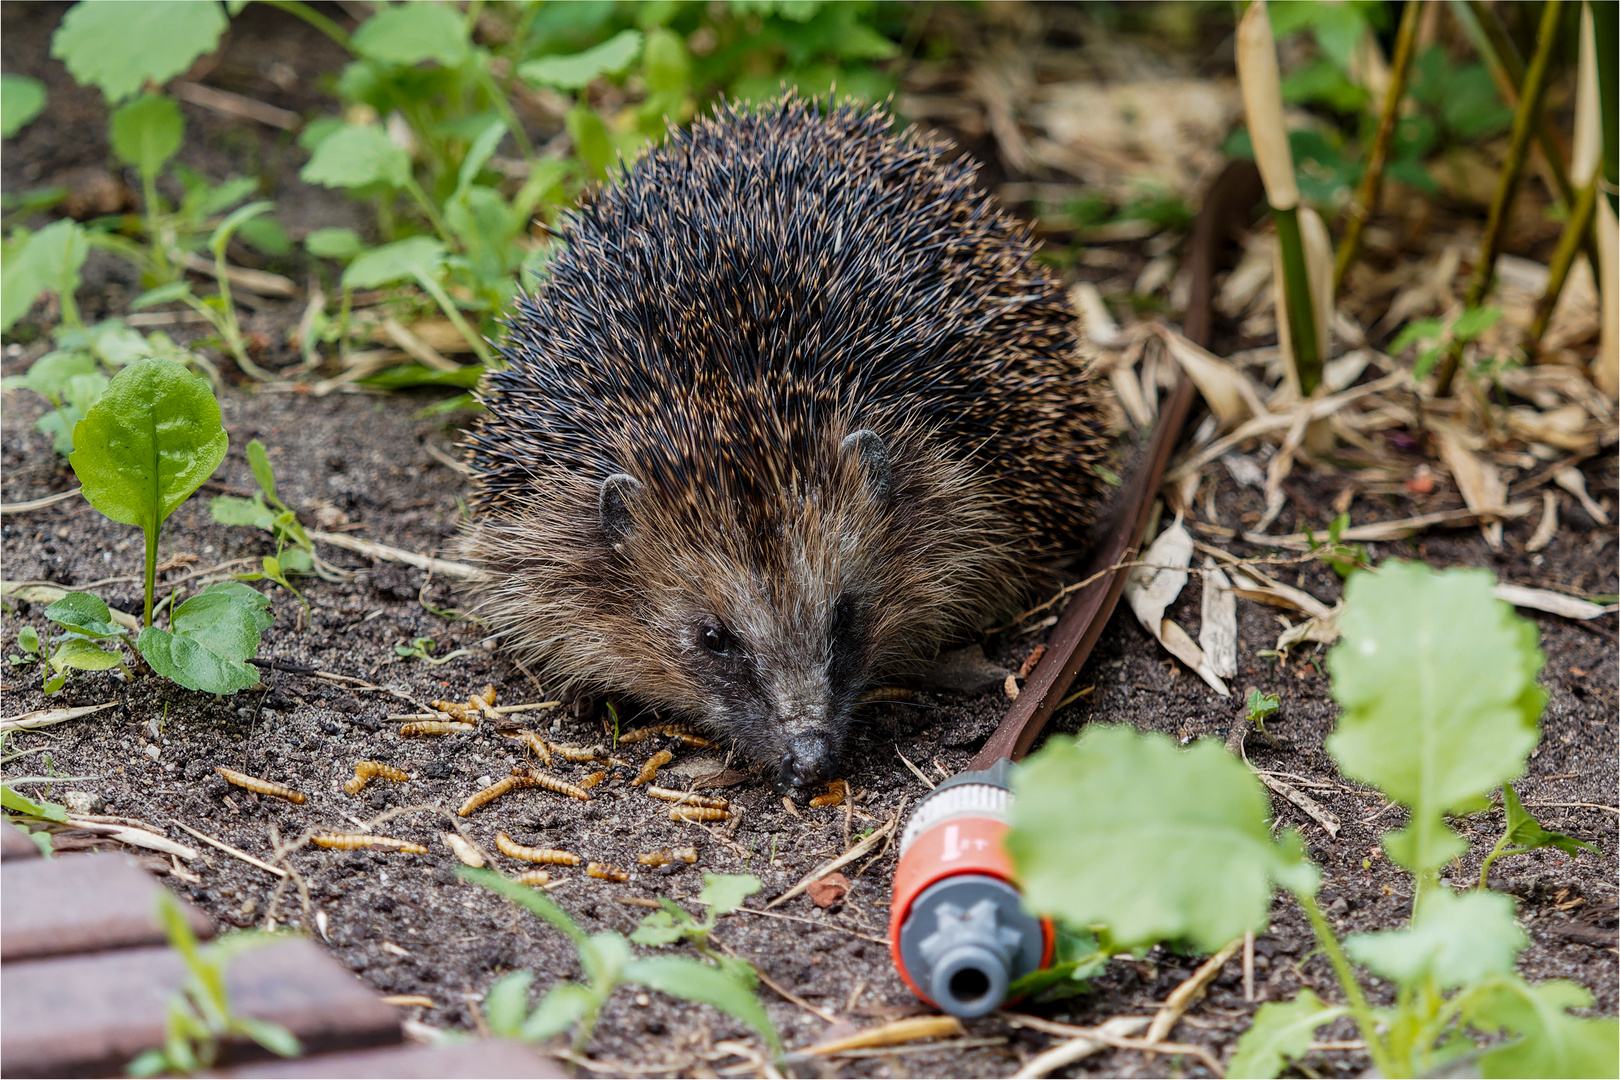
579, 753
262, 787
507, 847
351, 841
886, 693
541, 748
836, 791
536, 878
690, 798
698, 813
494, 791
606, 872
434, 727
535, 778
667, 856
683, 732
650, 769
484, 702
365, 770
592, 780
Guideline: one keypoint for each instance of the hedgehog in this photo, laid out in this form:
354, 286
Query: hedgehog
792, 408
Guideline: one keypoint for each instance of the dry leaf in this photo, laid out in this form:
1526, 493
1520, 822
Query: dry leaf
1479, 481
1554, 603
1217, 633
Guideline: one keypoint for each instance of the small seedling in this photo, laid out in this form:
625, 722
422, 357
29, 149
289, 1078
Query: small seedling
1344, 558
199, 1016
1435, 336
722, 894
1524, 833
608, 964
1260, 706
422, 649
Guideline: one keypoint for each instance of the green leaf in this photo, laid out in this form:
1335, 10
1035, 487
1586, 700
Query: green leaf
1454, 940
1421, 330
28, 639
21, 99
665, 63
1262, 705
117, 343
148, 1063
724, 893
253, 513
694, 981
82, 655
209, 639
163, 294
402, 260
147, 132
562, 1007
19, 803
150, 441
523, 896
659, 928
86, 613
1282, 1031
49, 374
1120, 829
574, 72
120, 46
506, 1005
592, 143
1077, 956
482, 149
1438, 683
1524, 832
47, 261
273, 1037
334, 243
1552, 1042
259, 461
222, 233
1474, 322
408, 34
356, 155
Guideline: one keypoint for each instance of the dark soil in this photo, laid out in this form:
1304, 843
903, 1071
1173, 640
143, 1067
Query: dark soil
405, 923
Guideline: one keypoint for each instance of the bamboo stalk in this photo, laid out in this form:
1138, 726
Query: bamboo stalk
1365, 204
1570, 243
1525, 119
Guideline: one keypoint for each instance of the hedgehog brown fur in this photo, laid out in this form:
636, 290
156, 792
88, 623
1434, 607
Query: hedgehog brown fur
792, 407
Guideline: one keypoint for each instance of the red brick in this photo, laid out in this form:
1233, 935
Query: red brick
14, 843
89, 1015
496, 1059
81, 904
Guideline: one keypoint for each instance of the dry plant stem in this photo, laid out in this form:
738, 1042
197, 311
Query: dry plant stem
1188, 992
1365, 204
1525, 120
1297, 289
1376, 1049
1570, 242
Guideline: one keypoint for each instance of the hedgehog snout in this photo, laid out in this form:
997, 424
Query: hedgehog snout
811, 759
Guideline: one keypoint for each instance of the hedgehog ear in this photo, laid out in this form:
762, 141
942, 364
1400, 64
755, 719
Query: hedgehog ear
614, 505
873, 456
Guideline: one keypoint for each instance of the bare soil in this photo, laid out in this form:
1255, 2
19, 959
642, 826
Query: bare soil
406, 925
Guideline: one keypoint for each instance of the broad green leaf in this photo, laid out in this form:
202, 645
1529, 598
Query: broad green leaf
402, 260
1122, 830
611, 57
28, 639
408, 34
665, 63
1438, 682
147, 132
119, 45
694, 981
1474, 322
49, 374
21, 99
725, 892
1282, 1031
47, 261
660, 928
562, 1007
603, 956
222, 233
117, 343
334, 243
85, 613
253, 513
150, 441
265, 234
1455, 940
592, 143
82, 655
1525, 833
19, 803
259, 461
356, 155
210, 637
1552, 1043
506, 1005
523, 896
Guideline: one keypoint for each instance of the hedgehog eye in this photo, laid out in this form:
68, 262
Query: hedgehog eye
716, 638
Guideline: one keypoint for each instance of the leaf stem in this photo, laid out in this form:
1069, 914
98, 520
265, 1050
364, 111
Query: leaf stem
1496, 853
151, 532
1359, 1007
1365, 204
1525, 120
315, 19
1301, 312
1576, 231
436, 290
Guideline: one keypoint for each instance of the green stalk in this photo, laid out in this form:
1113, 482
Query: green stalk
498, 97
1301, 315
1365, 204
151, 533
1525, 119
436, 291
1485, 868
315, 19
1577, 230
1347, 980
149, 195
228, 323
430, 211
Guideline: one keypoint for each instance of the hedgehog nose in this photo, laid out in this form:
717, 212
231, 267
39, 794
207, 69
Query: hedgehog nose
810, 759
